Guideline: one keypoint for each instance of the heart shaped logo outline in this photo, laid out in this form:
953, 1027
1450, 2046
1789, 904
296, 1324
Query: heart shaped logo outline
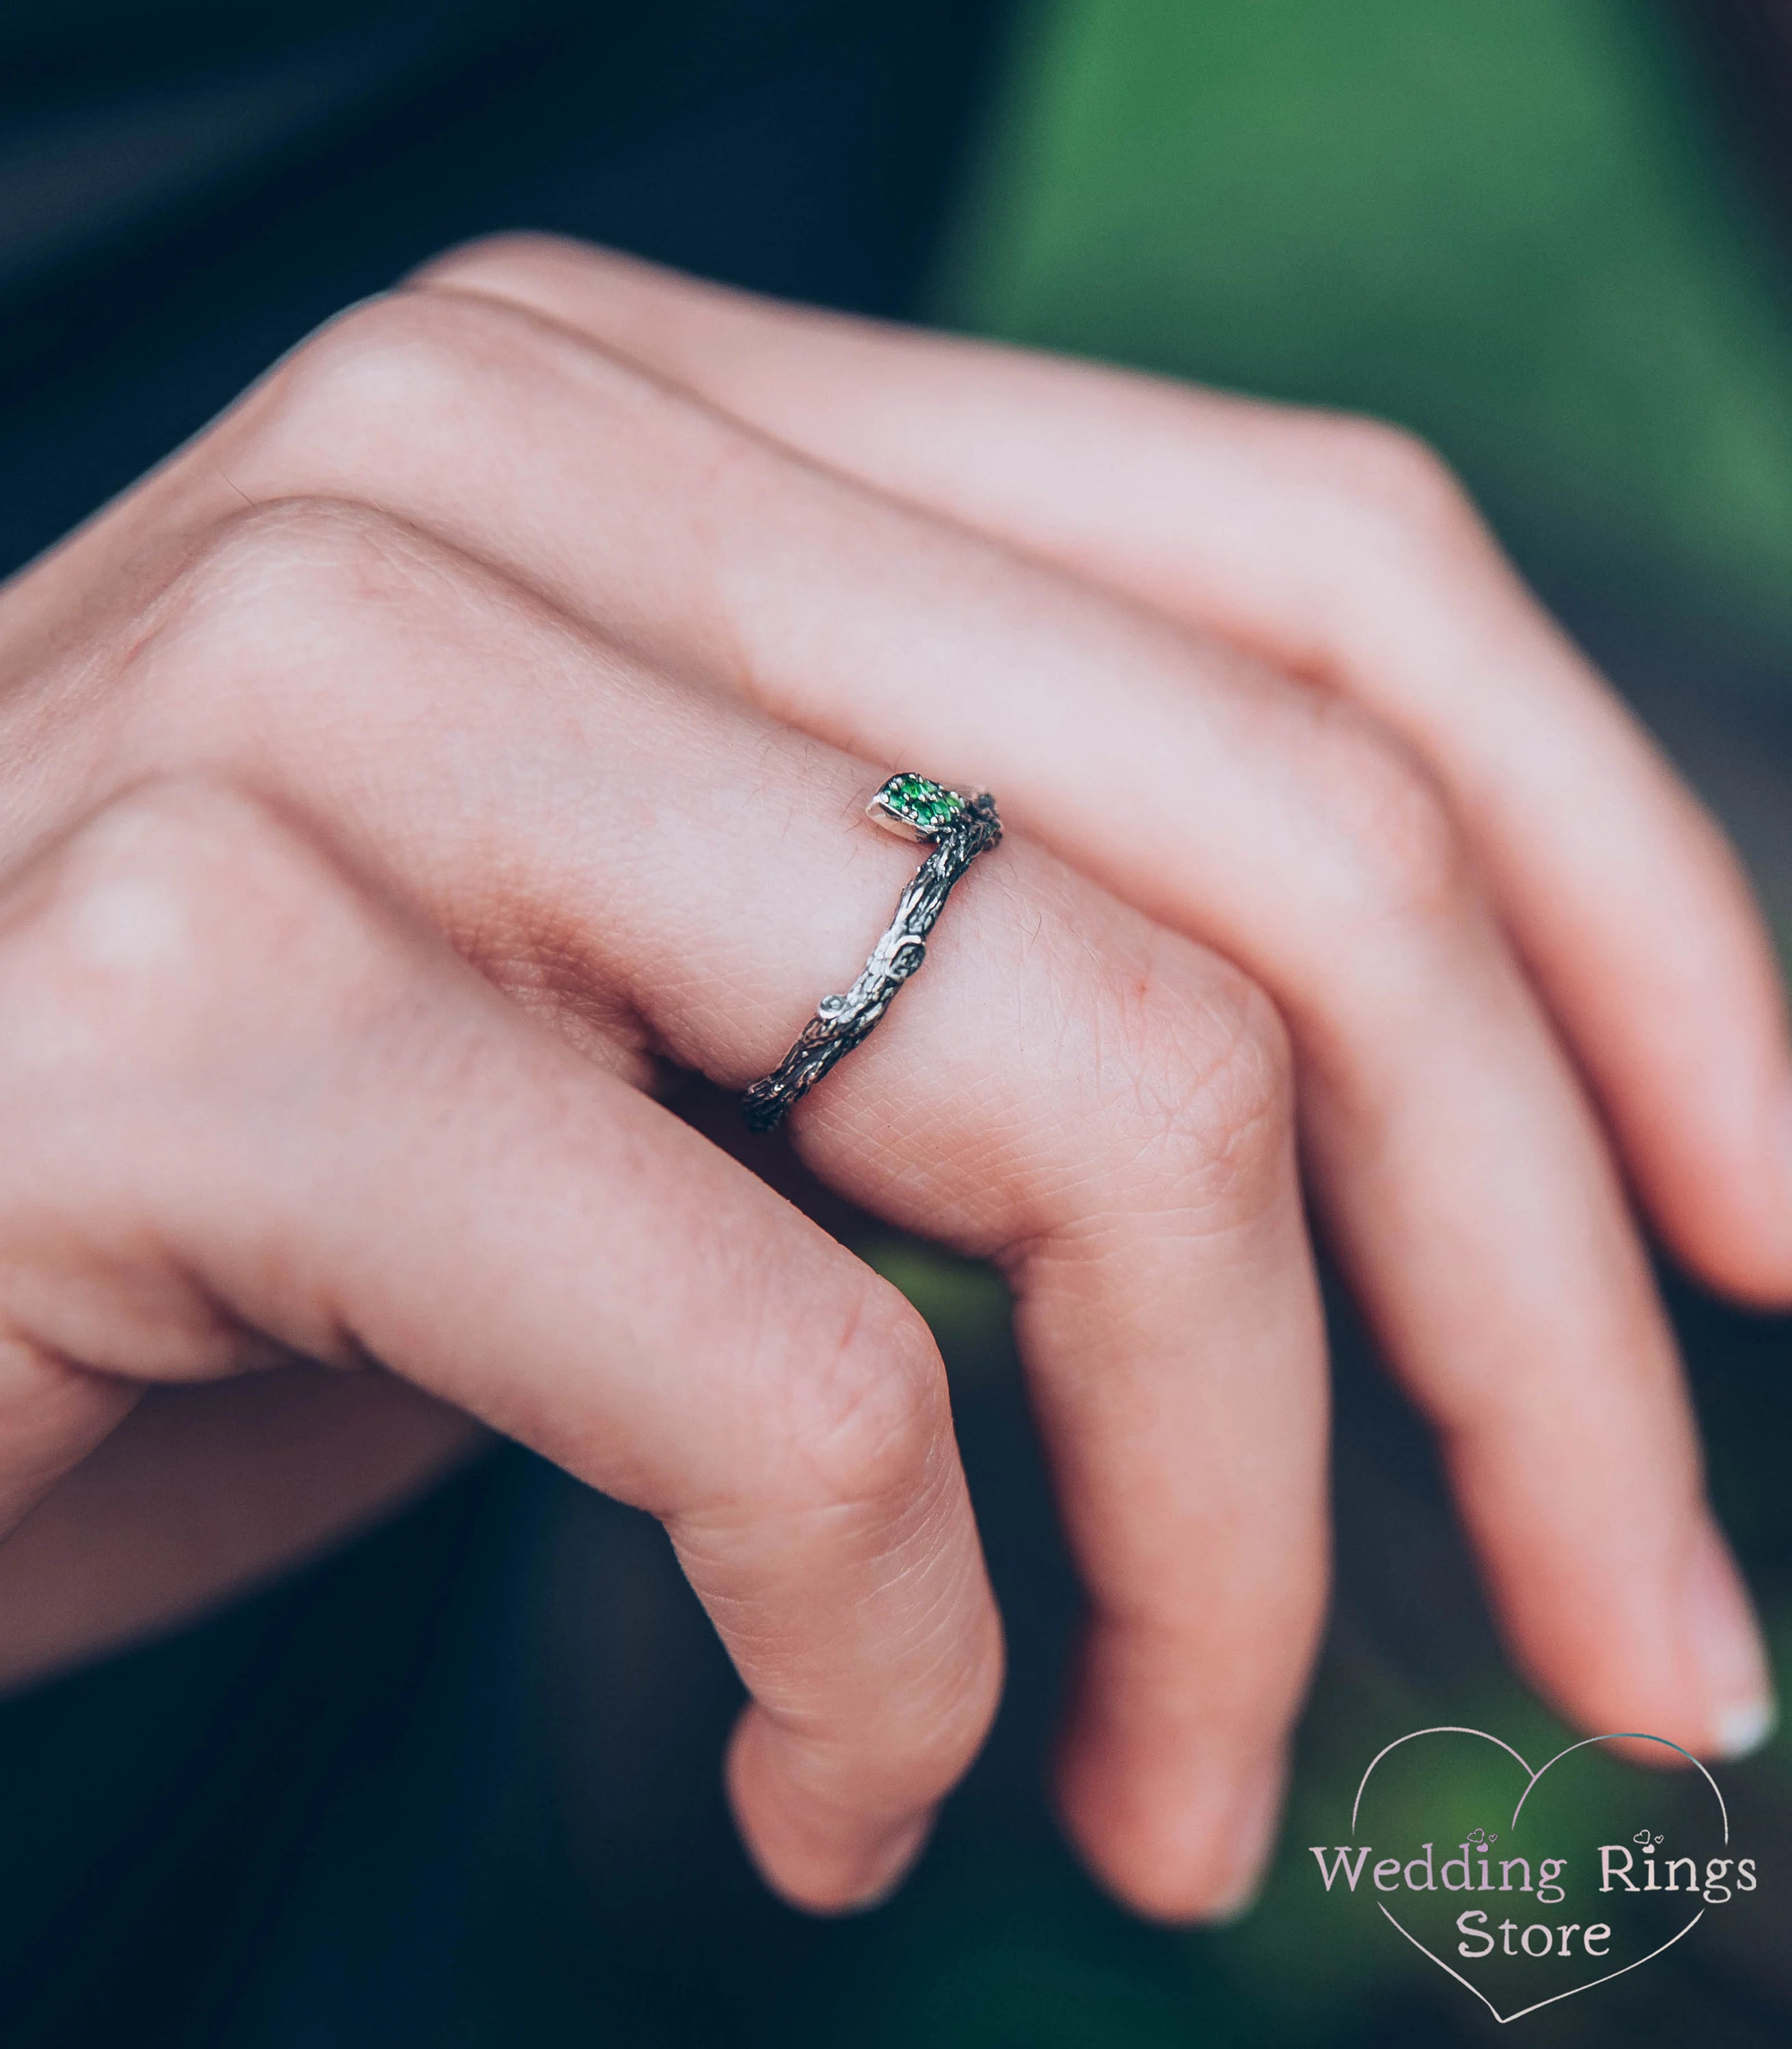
1615, 1735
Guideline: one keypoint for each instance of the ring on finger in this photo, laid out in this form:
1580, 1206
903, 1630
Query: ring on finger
959, 828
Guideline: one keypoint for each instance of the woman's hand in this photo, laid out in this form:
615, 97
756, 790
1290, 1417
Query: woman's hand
482, 711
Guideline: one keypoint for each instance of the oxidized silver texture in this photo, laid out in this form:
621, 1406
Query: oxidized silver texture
960, 828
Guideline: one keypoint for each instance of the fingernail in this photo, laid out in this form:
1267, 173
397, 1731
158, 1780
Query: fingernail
1727, 1650
890, 1862
1250, 1836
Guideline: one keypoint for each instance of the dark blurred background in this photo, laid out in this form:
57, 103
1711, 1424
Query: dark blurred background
457, 1785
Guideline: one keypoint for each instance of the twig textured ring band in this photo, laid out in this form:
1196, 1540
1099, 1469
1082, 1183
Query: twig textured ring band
960, 828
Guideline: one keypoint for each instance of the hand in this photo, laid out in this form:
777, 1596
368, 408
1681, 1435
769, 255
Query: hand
471, 718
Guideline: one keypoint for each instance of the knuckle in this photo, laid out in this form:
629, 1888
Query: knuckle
1395, 855
866, 1419
290, 588
404, 357
399, 377
151, 924
1386, 465
304, 552
493, 260
1401, 496
1247, 1069
1206, 1077
385, 387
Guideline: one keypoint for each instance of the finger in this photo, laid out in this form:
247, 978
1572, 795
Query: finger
333, 1136
205, 1492
1340, 550
1102, 1105
1462, 1176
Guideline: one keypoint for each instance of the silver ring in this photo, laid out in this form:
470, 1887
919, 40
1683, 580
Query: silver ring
960, 828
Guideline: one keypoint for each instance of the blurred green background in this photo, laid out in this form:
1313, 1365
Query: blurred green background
1518, 226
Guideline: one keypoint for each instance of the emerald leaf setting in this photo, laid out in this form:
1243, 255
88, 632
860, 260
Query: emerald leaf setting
916, 806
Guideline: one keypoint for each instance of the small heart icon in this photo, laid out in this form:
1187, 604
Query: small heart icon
1580, 1895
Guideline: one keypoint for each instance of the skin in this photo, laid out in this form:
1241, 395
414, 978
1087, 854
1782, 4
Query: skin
477, 719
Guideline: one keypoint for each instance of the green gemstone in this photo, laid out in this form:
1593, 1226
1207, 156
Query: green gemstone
918, 802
